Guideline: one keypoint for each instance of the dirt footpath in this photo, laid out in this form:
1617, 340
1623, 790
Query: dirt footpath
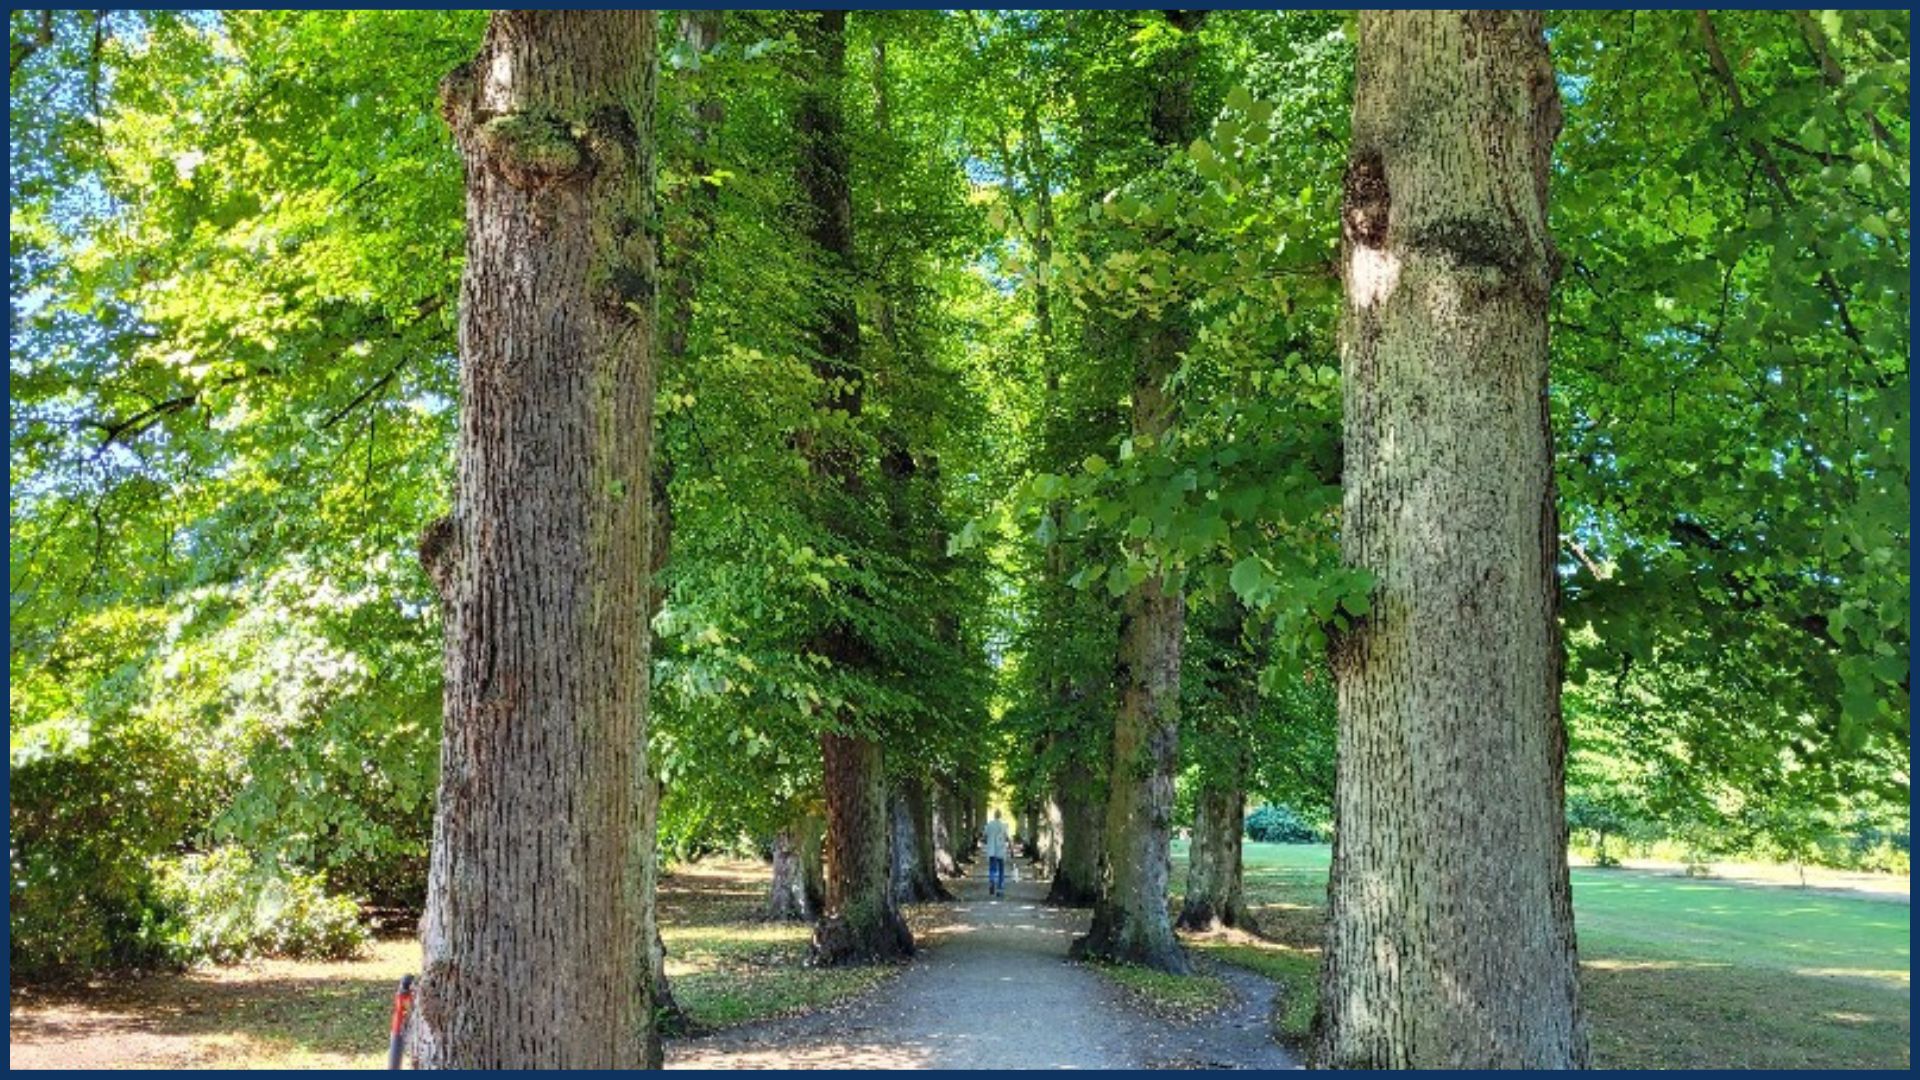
996, 992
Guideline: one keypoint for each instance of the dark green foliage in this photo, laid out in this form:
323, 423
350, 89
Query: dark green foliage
1282, 825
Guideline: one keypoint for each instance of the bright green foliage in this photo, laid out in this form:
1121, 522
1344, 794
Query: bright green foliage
235, 243
230, 409
1731, 388
228, 908
762, 556
1244, 715
1238, 501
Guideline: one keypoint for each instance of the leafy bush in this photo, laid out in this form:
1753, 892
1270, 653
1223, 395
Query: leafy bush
224, 907
97, 791
1600, 818
1281, 825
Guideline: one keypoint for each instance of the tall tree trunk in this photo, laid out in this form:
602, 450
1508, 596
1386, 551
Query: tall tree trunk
926, 885
861, 922
944, 826
536, 931
799, 887
1215, 897
668, 1017
1076, 880
969, 826
1130, 921
1050, 835
1450, 942
911, 869
901, 849
813, 863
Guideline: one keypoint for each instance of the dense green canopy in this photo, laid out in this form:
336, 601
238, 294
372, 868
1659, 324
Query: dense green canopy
235, 245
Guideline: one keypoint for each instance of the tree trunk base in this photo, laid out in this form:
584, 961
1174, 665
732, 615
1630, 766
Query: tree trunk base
1205, 918
669, 1019
841, 942
925, 890
1111, 940
1067, 892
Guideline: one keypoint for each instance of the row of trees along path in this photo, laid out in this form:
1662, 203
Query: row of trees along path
997, 992
1451, 938
857, 417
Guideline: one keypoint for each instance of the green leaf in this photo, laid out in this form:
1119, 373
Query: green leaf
1247, 577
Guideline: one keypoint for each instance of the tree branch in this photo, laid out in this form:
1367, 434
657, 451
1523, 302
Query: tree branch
22, 49
1769, 166
1830, 70
420, 312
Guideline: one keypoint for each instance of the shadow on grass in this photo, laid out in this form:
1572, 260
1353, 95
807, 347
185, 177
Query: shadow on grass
1656, 1013
728, 966
1662, 1014
162, 1020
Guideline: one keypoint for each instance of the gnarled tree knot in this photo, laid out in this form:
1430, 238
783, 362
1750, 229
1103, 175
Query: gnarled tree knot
1366, 202
436, 554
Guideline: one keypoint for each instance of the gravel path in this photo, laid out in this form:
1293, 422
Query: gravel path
996, 991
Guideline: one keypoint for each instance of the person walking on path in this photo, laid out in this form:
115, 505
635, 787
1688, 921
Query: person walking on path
994, 839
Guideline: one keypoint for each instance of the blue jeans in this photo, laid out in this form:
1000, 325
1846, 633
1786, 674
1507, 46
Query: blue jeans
996, 874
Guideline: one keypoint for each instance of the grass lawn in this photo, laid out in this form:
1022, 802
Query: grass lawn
728, 967
1677, 972
725, 965
1179, 998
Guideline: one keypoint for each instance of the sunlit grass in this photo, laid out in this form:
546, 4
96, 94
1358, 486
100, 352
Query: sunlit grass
1676, 972
725, 964
728, 966
1173, 997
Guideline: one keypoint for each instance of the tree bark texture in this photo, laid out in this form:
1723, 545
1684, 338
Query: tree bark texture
862, 922
967, 837
668, 1017
1130, 919
1215, 897
944, 826
922, 880
799, 881
1451, 941
1050, 836
1081, 836
537, 929
1076, 879
902, 874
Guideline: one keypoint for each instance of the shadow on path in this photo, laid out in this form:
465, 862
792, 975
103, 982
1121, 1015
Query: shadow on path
996, 992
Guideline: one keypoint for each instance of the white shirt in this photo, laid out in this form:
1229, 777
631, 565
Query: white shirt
996, 831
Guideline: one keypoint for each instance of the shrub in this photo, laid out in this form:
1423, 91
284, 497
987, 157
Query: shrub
1281, 825
1600, 819
224, 908
91, 805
